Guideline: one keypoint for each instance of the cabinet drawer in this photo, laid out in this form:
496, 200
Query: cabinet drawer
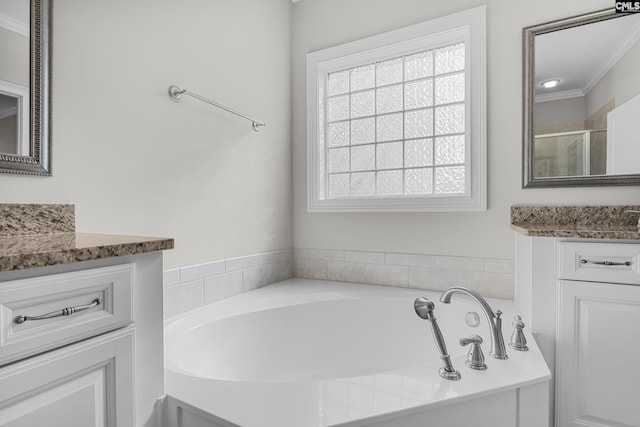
42, 313
600, 262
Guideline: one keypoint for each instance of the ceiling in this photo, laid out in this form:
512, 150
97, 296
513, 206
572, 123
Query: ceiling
581, 56
14, 15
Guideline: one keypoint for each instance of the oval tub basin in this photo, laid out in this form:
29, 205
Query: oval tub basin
312, 353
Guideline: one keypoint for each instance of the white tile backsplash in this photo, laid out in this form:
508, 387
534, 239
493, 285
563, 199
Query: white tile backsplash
274, 257
391, 275
171, 277
346, 271
183, 297
492, 277
265, 274
201, 271
222, 286
234, 264
311, 268
458, 263
407, 259
190, 287
432, 278
325, 254
364, 257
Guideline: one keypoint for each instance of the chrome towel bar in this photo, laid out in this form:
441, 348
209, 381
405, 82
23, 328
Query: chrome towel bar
175, 93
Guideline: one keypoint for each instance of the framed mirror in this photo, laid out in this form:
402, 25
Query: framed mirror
25, 87
582, 101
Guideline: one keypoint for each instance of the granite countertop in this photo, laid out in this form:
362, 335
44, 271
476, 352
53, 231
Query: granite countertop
18, 252
38, 235
584, 222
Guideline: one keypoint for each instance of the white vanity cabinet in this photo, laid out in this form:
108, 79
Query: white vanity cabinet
100, 365
88, 384
581, 298
597, 370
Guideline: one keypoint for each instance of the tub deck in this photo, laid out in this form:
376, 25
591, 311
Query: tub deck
376, 394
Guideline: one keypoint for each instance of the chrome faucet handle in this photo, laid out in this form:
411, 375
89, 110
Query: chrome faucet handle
518, 340
633, 212
475, 358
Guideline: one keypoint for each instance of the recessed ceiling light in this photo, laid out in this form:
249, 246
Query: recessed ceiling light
548, 84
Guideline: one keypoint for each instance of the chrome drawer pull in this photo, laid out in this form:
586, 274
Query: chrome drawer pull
586, 261
68, 311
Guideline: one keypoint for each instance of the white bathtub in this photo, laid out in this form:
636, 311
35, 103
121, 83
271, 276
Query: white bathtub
305, 353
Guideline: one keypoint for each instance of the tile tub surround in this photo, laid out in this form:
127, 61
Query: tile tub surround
22, 219
492, 277
597, 222
190, 287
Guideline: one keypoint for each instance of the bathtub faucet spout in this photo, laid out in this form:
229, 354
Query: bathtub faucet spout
424, 309
498, 349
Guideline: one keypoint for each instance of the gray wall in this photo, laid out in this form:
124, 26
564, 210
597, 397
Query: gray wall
134, 162
8, 134
319, 24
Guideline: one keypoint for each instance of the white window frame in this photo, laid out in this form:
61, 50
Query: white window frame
468, 26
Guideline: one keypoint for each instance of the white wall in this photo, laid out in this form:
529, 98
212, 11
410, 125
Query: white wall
14, 51
319, 24
621, 82
568, 111
134, 162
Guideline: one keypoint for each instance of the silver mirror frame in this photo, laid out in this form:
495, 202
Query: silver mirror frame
38, 162
528, 73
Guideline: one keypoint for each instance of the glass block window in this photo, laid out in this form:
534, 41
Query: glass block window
395, 127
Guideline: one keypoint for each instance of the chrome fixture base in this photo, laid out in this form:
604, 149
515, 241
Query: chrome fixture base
449, 375
175, 93
518, 340
477, 367
498, 356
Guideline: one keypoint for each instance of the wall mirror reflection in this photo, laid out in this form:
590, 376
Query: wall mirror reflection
25, 145
14, 119
582, 101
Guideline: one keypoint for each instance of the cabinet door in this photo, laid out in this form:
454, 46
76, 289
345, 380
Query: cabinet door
597, 355
87, 384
